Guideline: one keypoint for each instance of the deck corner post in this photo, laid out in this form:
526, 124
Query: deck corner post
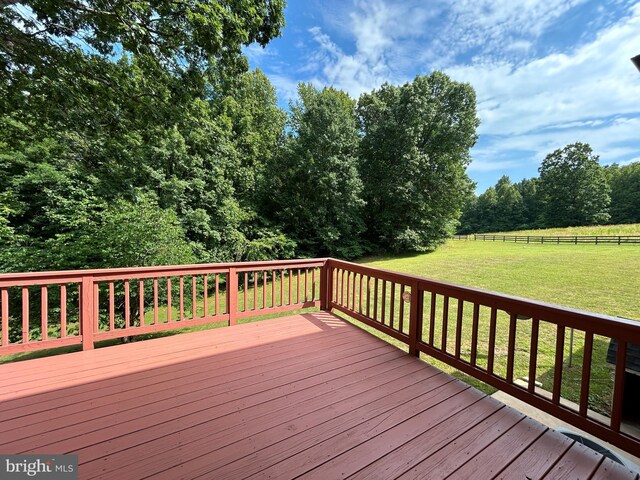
232, 295
326, 286
87, 312
415, 319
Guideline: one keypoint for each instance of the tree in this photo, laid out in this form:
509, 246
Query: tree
573, 188
173, 34
414, 151
528, 189
509, 207
625, 192
313, 187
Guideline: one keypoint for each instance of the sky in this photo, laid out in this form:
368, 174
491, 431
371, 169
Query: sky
546, 73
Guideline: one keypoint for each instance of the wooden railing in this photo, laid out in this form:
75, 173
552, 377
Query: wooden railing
497, 339
555, 239
506, 342
54, 309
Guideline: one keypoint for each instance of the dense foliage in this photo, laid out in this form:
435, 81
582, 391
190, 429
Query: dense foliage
136, 135
572, 190
415, 150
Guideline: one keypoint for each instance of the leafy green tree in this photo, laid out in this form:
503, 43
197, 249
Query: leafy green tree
625, 192
509, 206
528, 189
174, 34
414, 151
573, 188
313, 188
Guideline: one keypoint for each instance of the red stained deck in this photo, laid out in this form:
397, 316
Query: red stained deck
307, 395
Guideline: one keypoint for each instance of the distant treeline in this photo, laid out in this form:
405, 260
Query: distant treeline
572, 190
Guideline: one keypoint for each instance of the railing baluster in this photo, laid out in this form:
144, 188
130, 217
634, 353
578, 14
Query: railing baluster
432, 318
586, 371
169, 310
473, 357
533, 355
392, 304
445, 322
368, 303
383, 313
112, 308
492, 340
511, 348
255, 291
25, 315
155, 301
264, 289
273, 288
298, 287
459, 327
313, 284
194, 299
401, 313
44, 312
96, 307
205, 295
246, 292
348, 289
181, 298
290, 299
4, 296
557, 371
127, 306
375, 299
141, 299
306, 289
63, 310
281, 287
217, 293
618, 385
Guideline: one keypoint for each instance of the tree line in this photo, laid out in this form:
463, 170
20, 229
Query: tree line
573, 189
139, 136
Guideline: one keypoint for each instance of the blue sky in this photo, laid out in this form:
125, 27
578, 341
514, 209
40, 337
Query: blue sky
547, 73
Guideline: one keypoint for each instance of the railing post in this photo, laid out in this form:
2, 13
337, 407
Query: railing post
232, 295
87, 313
326, 286
415, 319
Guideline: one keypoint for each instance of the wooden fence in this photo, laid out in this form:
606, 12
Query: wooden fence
491, 337
556, 239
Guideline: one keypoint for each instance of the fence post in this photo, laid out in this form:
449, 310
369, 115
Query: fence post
232, 295
619, 237
326, 286
87, 312
415, 319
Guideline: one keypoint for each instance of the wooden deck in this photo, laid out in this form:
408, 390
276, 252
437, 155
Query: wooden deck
303, 396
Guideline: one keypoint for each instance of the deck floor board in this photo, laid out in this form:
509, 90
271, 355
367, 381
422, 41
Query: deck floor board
301, 396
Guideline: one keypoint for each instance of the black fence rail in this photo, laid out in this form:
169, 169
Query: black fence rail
556, 239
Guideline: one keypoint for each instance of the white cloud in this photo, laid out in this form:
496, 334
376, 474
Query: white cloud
593, 81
